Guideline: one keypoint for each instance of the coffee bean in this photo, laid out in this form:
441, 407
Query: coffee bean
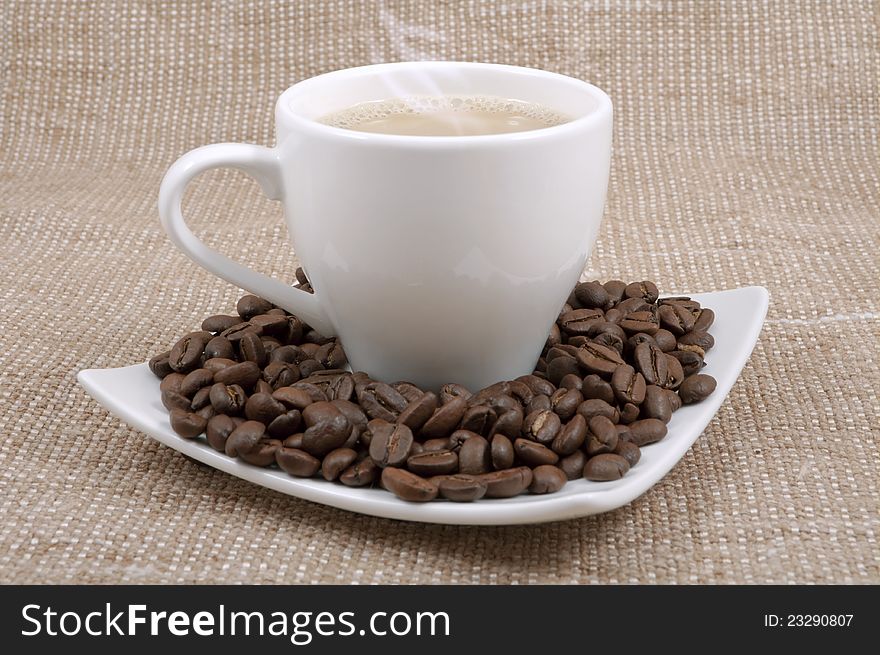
380, 400
656, 404
674, 373
201, 399
310, 367
353, 413
628, 385
520, 391
605, 467
503, 403
262, 454
676, 319
341, 387
194, 381
236, 332
408, 390
263, 407
437, 462
644, 290
444, 419
704, 318
508, 424
390, 443
609, 340
664, 340
564, 402
451, 391
461, 488
702, 339
684, 301
615, 290
537, 403
331, 355
293, 398
614, 315
284, 425
432, 445
533, 453
294, 441
250, 346
219, 322
280, 374
336, 461
484, 396
326, 428
297, 462
696, 388
595, 407
171, 382
554, 337
160, 366
646, 431
651, 363
227, 398
408, 486
631, 305
478, 419
560, 367
314, 391
244, 374
244, 438
591, 295
571, 381
674, 399
218, 429
594, 387
571, 437
360, 474
547, 479
542, 426
219, 347
507, 483
539, 386
578, 321
218, 364
315, 337
173, 400
187, 352
501, 452
628, 413
474, 455
603, 436
249, 306
573, 465
629, 451
691, 361
646, 322
596, 358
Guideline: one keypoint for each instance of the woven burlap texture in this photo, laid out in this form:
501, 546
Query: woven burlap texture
745, 152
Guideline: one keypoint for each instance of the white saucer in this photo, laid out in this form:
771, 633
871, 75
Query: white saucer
132, 394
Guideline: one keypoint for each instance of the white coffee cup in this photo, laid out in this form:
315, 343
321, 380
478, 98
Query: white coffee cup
434, 258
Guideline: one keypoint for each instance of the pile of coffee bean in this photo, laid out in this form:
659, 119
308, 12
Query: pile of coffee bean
265, 387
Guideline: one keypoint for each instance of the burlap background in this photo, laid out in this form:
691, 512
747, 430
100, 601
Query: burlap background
746, 152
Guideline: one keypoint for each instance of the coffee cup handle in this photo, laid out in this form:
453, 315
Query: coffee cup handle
263, 165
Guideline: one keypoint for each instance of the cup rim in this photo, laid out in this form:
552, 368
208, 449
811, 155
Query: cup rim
601, 113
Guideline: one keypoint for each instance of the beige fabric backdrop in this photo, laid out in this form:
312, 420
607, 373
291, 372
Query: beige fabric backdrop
746, 152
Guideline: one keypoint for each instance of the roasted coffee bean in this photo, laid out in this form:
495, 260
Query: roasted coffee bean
640, 337
310, 367
571, 381
484, 396
289, 354
508, 424
408, 486
631, 305
444, 419
408, 390
331, 355
201, 398
501, 452
474, 455
571, 437
537, 403
227, 398
251, 349
651, 363
460, 488
596, 388
696, 388
656, 404
390, 443
218, 429
704, 318
503, 403
263, 407
629, 451
578, 321
691, 361
478, 419
628, 413
263, 387
314, 391
547, 479
674, 399
507, 483
284, 425
249, 306
595, 407
194, 381
539, 386
562, 350
206, 412
628, 385
171, 382
160, 366
451, 391
676, 319
219, 322
609, 340
664, 340
606, 467
520, 391
236, 332
554, 337
218, 364
280, 374
702, 339
644, 321
341, 387
380, 400
244, 374
644, 290
622, 432
418, 412
458, 437
270, 344
353, 413
271, 325
615, 290
432, 445
542, 426
604, 328
603, 436
262, 454
187, 352
436, 462
219, 347
573, 465
326, 428
684, 301
173, 400
336, 461
297, 462
315, 337
244, 438
564, 402
596, 358
647, 431
674, 373
614, 315
591, 295
560, 367
533, 453
293, 398
360, 474
294, 441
